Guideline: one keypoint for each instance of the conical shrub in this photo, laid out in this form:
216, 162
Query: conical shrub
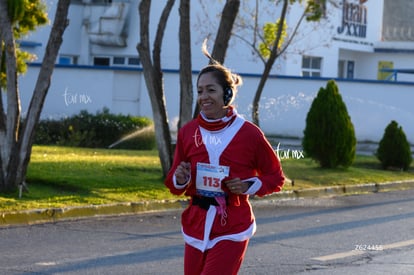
394, 150
329, 136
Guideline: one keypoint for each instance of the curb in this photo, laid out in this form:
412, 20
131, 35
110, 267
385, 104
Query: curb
345, 190
37, 216
28, 217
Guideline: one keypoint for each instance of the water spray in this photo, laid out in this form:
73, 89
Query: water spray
132, 135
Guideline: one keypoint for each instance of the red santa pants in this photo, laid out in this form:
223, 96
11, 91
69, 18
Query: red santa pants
224, 258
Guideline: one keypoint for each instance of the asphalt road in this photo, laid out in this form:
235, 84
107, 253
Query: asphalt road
362, 234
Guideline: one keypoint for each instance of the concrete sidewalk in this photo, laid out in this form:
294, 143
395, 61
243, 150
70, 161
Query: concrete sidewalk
57, 214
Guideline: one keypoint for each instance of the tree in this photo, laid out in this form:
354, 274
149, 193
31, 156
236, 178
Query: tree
153, 73
18, 17
394, 150
270, 41
154, 79
271, 50
186, 79
224, 32
329, 135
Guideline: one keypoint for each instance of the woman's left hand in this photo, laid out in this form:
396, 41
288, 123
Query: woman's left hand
236, 186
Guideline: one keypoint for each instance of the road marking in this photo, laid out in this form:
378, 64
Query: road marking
46, 263
341, 255
84, 259
399, 244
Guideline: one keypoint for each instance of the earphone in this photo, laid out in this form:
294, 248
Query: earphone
228, 95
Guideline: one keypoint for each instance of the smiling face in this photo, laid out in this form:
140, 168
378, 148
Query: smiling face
210, 96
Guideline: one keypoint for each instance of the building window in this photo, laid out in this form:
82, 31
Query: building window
341, 68
350, 68
134, 61
346, 69
101, 61
118, 60
128, 61
311, 66
91, 1
100, 1
68, 60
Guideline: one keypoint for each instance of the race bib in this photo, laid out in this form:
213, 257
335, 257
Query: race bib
208, 179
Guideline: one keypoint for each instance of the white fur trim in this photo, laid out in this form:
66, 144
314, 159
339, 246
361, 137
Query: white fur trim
206, 243
180, 186
257, 184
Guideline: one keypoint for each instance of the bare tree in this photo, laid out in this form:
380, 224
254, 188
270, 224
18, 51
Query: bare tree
312, 12
15, 145
268, 65
186, 80
154, 78
224, 32
153, 72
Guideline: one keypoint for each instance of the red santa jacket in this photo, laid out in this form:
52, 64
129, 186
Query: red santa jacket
244, 149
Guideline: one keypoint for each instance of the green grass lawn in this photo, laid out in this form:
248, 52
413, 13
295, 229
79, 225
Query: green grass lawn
366, 169
68, 176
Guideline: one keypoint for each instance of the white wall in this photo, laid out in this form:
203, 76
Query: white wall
283, 108
371, 106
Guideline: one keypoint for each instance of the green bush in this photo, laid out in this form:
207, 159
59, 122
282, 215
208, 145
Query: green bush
97, 131
394, 150
329, 136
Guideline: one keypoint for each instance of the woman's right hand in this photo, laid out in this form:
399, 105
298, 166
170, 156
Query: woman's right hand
183, 172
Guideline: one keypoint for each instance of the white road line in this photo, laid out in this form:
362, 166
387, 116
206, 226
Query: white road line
84, 259
341, 255
399, 244
46, 263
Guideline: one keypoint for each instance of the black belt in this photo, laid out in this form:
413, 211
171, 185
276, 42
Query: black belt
204, 202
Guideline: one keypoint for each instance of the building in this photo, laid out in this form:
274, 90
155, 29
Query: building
366, 45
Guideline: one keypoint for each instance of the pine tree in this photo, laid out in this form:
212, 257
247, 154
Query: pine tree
329, 136
394, 150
